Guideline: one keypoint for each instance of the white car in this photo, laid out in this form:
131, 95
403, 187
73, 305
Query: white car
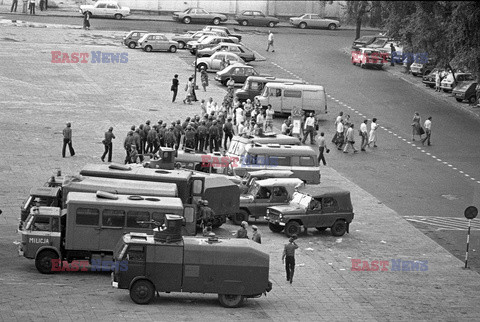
106, 9
214, 62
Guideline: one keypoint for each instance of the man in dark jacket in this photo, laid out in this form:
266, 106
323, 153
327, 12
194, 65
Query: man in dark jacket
127, 144
170, 137
202, 136
213, 136
67, 140
228, 130
189, 138
178, 131
107, 142
138, 143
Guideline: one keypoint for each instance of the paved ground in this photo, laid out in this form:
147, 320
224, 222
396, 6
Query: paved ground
39, 97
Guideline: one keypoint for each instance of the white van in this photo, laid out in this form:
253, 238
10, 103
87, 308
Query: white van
284, 96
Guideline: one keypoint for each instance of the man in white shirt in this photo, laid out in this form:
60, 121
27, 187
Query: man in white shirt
270, 41
364, 134
428, 130
339, 136
350, 140
309, 128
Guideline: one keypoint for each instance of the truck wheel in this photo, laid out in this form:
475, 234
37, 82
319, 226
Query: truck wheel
472, 99
43, 261
230, 300
292, 228
142, 292
339, 228
239, 217
275, 228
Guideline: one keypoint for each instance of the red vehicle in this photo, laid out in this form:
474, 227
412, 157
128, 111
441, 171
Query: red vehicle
367, 57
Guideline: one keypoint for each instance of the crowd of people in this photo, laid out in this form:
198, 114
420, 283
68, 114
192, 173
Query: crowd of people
344, 137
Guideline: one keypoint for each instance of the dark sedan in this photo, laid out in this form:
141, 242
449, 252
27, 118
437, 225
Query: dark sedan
256, 18
238, 72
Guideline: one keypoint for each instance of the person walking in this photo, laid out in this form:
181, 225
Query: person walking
428, 130
269, 118
416, 127
350, 140
25, 6
309, 128
373, 133
242, 231
107, 142
174, 87
67, 140
322, 147
288, 258
257, 237
204, 78
364, 135
392, 54
86, 21
189, 90
339, 138
270, 41
32, 7
14, 6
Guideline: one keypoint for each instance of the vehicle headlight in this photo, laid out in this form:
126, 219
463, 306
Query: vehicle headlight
280, 216
268, 212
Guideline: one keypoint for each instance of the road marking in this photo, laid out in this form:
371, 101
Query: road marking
444, 223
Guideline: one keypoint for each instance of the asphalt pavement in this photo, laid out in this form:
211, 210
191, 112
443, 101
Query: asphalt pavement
39, 97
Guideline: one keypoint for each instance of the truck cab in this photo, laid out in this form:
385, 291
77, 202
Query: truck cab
40, 197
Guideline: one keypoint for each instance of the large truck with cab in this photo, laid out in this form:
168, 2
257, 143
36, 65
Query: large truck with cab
234, 269
91, 225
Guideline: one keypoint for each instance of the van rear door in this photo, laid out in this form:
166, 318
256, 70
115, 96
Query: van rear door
314, 100
290, 99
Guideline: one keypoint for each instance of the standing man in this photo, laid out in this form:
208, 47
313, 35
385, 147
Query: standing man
373, 133
437, 81
204, 78
256, 235
242, 231
392, 54
269, 118
213, 137
127, 145
189, 90
14, 6
32, 7
229, 133
309, 128
364, 135
322, 147
174, 87
109, 136
206, 213
67, 139
25, 6
270, 41
288, 258
428, 130
350, 140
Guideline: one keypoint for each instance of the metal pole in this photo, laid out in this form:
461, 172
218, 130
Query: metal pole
468, 242
195, 73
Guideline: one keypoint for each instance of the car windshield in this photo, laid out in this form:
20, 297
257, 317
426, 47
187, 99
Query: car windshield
379, 42
119, 6
301, 199
253, 190
246, 85
28, 221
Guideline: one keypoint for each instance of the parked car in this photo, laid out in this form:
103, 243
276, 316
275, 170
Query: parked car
265, 193
131, 40
189, 36
224, 29
419, 69
199, 15
256, 18
466, 90
449, 83
312, 20
157, 42
363, 41
387, 51
429, 79
316, 206
238, 72
251, 177
208, 41
239, 49
367, 57
106, 9
214, 62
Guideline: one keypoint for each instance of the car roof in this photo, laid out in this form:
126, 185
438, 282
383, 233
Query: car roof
273, 173
281, 149
319, 191
279, 181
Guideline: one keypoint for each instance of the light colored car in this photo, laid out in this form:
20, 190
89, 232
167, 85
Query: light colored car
198, 15
256, 18
312, 20
157, 42
239, 49
214, 62
448, 83
131, 40
367, 57
196, 35
209, 41
222, 28
106, 9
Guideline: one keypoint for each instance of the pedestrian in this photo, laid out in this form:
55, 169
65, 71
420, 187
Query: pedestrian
189, 89
437, 81
170, 137
189, 138
373, 133
174, 87
40, 5
270, 41
25, 6
67, 140
194, 87
230, 87
260, 121
242, 231
428, 130
239, 116
14, 6
269, 118
86, 20
107, 142
392, 54
288, 258
127, 145
178, 131
364, 134
206, 214
309, 128
257, 237
32, 7
322, 147
229, 132
350, 140
204, 78
213, 137
416, 127
338, 139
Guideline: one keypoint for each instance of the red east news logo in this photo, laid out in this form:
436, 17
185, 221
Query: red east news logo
96, 57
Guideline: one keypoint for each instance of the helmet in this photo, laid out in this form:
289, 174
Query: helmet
205, 202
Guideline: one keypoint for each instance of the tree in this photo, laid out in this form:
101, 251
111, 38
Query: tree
356, 12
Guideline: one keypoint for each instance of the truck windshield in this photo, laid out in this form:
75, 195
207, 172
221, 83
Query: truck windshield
29, 221
301, 199
27, 203
120, 250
